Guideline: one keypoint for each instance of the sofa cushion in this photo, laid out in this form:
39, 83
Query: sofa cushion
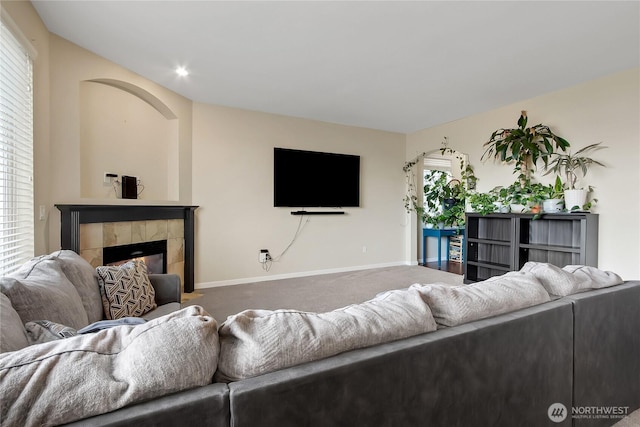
83, 276
571, 278
126, 290
39, 290
92, 374
454, 305
42, 331
13, 335
255, 342
162, 310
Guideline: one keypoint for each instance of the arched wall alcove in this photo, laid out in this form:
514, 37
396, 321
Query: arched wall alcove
126, 130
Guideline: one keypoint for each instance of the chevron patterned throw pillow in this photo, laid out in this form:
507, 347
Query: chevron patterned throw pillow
126, 290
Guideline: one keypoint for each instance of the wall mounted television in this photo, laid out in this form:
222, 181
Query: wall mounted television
308, 179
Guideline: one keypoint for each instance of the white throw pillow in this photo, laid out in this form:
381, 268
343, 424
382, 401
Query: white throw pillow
255, 342
63, 381
455, 305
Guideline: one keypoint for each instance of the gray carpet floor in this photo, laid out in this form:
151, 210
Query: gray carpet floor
315, 293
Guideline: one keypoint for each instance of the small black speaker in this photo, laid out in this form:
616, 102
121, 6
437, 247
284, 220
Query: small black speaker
129, 187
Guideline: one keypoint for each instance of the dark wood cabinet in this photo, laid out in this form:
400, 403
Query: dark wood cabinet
498, 243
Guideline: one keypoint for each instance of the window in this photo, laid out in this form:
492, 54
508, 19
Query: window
436, 170
16, 151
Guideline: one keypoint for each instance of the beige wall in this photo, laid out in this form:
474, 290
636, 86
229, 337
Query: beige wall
231, 176
233, 185
608, 110
60, 69
124, 134
71, 67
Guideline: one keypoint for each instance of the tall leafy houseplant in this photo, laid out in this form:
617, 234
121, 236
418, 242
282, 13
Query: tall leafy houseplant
570, 165
524, 146
443, 199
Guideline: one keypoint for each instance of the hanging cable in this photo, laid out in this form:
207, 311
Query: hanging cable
266, 264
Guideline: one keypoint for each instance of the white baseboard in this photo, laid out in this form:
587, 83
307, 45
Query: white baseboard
232, 282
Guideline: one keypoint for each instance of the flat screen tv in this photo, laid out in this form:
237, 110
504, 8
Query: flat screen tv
314, 179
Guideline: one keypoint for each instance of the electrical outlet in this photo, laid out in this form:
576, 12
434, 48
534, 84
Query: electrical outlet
264, 256
109, 177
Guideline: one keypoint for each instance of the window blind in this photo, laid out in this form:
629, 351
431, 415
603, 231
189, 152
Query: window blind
437, 162
16, 152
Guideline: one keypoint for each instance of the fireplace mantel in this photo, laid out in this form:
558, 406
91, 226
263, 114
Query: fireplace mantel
72, 216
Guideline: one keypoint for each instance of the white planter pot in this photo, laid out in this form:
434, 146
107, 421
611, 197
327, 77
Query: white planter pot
517, 208
500, 207
552, 205
575, 198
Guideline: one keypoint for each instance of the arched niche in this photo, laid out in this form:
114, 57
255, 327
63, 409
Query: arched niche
126, 130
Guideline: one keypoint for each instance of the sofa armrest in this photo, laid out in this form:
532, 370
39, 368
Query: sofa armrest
167, 287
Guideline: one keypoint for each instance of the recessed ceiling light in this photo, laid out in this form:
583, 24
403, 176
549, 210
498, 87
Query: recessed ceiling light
182, 72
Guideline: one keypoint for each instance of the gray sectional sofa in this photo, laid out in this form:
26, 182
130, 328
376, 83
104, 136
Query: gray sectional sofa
580, 350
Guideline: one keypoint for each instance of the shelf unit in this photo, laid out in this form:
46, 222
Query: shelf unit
455, 248
498, 243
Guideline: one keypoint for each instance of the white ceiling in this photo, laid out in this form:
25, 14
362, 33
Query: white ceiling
390, 65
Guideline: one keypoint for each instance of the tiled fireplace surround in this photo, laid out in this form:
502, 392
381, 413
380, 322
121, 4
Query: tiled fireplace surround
87, 229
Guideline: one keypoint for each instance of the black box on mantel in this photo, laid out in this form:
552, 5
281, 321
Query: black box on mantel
129, 187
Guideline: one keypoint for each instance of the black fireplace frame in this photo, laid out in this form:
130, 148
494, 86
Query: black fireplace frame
71, 216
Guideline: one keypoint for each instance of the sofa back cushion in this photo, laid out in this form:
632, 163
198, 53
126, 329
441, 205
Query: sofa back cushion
39, 290
83, 276
570, 279
13, 335
92, 374
255, 342
454, 305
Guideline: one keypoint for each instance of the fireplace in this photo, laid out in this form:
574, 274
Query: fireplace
93, 230
153, 253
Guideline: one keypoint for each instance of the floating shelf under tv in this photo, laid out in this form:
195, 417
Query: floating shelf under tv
317, 213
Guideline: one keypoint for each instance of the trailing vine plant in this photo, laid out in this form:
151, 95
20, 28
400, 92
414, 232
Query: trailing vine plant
411, 199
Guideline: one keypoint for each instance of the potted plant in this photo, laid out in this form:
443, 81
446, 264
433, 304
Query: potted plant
482, 203
570, 165
554, 201
443, 200
525, 146
537, 194
452, 193
521, 197
516, 196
